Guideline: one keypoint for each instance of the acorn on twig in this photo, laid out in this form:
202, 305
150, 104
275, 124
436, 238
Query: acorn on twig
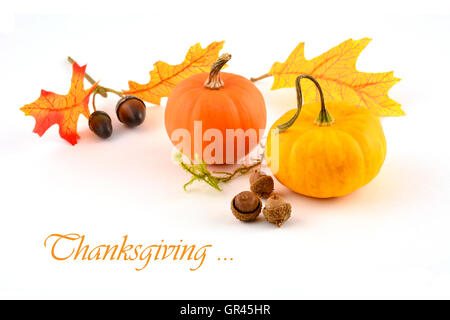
130, 110
261, 184
246, 206
277, 210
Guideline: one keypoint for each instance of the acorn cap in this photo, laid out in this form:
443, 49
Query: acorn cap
261, 184
250, 204
277, 210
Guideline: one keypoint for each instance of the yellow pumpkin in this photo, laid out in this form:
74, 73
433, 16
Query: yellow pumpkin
327, 156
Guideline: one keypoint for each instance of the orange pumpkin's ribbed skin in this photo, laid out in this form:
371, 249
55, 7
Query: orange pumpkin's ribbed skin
237, 105
333, 161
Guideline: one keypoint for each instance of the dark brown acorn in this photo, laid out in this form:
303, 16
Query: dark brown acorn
100, 124
130, 111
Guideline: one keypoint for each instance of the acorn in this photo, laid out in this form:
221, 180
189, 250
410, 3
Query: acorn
246, 206
131, 111
100, 124
277, 210
261, 184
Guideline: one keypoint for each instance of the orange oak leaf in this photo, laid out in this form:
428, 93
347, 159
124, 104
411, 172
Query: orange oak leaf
64, 110
335, 70
165, 77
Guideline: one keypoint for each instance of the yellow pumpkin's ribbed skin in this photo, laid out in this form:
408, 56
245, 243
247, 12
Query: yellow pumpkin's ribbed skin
333, 161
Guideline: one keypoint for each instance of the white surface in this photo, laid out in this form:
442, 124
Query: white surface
390, 239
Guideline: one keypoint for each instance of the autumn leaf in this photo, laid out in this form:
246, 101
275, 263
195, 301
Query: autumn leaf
64, 110
165, 77
335, 70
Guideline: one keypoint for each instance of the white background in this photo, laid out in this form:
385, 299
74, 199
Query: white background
389, 239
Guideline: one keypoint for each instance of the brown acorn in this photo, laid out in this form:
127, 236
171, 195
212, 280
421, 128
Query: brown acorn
100, 124
261, 184
131, 111
277, 210
246, 206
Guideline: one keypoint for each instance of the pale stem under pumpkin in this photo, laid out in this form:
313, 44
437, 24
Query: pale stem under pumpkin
324, 118
214, 82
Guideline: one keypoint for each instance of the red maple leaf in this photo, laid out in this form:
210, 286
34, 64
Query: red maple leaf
64, 110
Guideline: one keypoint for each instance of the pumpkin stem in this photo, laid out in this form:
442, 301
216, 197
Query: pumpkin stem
214, 82
324, 118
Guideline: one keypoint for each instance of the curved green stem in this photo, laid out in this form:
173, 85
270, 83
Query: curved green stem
324, 118
243, 169
93, 100
200, 172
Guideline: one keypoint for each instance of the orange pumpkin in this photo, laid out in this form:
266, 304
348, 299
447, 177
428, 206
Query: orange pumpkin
220, 117
325, 156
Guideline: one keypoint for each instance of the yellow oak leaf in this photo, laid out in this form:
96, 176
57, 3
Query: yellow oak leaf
165, 77
335, 70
